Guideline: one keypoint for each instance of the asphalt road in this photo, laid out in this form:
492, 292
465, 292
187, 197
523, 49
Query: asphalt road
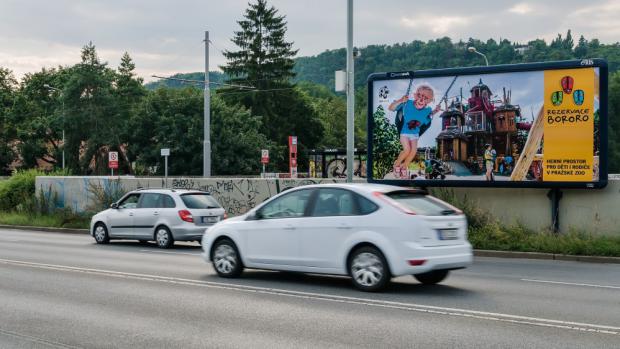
63, 291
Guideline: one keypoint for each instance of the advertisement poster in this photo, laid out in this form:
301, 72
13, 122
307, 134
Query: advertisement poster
489, 126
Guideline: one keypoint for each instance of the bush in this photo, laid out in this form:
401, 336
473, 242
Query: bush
18, 192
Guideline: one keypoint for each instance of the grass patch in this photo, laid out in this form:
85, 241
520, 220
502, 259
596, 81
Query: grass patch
487, 233
59, 220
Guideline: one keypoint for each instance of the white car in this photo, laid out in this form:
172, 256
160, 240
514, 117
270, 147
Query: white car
370, 232
162, 215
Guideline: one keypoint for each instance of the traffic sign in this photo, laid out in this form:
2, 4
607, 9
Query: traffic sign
113, 159
264, 157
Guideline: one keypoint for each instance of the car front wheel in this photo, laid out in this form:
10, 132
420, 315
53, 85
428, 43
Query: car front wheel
432, 277
100, 234
226, 260
163, 237
368, 269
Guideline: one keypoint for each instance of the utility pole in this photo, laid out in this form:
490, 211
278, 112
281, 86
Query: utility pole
350, 93
206, 163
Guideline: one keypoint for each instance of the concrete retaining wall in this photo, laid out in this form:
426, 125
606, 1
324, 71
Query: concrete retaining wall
594, 211
237, 195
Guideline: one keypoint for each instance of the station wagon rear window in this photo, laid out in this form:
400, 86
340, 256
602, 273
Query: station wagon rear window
199, 201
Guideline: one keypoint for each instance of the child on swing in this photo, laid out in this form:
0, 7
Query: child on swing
415, 113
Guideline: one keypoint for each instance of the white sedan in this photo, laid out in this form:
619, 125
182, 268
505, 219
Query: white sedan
370, 232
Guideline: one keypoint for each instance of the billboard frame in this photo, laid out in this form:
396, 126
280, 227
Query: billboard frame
601, 64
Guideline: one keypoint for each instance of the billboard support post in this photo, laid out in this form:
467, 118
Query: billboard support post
555, 195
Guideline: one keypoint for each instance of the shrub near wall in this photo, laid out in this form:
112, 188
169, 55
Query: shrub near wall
18, 191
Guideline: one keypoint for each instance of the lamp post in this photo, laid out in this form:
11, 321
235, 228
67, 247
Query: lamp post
350, 93
63, 121
473, 50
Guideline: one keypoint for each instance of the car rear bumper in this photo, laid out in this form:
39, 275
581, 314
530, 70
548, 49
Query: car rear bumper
189, 233
434, 258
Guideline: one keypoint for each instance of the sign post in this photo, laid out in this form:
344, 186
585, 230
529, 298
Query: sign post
113, 161
264, 158
165, 152
292, 156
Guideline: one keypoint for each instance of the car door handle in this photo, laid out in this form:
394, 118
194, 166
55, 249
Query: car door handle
344, 226
289, 227
131, 213
155, 213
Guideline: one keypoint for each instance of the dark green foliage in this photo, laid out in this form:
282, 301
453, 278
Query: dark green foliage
8, 91
386, 144
173, 118
264, 58
444, 53
264, 62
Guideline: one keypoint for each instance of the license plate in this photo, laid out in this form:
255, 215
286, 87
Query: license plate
210, 219
448, 234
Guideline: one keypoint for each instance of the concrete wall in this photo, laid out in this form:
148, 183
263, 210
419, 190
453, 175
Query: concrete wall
595, 211
237, 195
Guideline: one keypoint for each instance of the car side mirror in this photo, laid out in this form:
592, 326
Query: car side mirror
257, 215
114, 205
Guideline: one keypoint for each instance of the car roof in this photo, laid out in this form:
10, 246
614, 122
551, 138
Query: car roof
367, 188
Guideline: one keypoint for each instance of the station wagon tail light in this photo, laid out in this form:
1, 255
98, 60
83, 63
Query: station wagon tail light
186, 216
393, 203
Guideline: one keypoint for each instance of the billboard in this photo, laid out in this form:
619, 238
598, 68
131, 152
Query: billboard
539, 125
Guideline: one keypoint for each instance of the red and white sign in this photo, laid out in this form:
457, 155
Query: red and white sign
113, 159
292, 155
264, 157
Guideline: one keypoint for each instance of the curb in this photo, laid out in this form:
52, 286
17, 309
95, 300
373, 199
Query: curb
547, 256
47, 229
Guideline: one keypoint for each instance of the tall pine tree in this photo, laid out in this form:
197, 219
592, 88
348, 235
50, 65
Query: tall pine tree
264, 61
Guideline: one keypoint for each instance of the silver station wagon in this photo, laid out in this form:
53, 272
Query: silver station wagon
160, 215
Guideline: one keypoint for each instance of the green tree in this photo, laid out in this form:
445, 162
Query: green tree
8, 88
173, 118
264, 61
614, 122
129, 92
264, 58
38, 114
92, 119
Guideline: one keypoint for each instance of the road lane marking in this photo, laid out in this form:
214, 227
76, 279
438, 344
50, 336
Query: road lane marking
571, 283
169, 252
455, 312
37, 340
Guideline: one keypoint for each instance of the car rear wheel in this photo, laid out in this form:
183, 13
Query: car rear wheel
226, 259
101, 234
368, 269
163, 237
432, 277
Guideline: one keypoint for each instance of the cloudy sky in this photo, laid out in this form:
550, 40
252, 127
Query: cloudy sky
165, 36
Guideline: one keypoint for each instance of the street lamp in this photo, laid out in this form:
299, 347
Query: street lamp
473, 50
63, 121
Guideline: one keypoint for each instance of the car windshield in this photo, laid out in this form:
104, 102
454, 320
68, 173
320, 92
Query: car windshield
421, 204
199, 201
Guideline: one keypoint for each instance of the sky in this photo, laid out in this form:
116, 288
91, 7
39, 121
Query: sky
166, 37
